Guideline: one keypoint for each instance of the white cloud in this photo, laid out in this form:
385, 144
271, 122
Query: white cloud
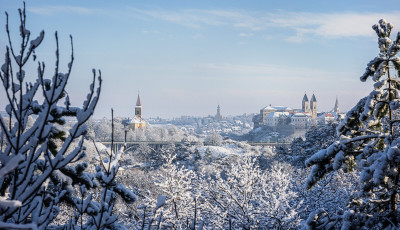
301, 24
351, 24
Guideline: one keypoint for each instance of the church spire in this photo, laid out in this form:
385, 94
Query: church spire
305, 98
313, 98
313, 106
305, 105
138, 100
336, 108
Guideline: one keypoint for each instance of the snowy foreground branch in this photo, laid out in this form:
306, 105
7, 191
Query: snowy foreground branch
36, 153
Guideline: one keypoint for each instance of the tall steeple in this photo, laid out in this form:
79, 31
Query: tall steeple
138, 100
305, 104
218, 116
313, 106
336, 108
138, 108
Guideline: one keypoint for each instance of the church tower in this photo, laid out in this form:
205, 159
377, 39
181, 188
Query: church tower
138, 108
313, 107
218, 116
336, 108
136, 122
305, 104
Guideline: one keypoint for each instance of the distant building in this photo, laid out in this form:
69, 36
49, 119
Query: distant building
313, 107
324, 118
308, 115
137, 121
305, 105
261, 119
309, 107
336, 109
275, 118
301, 120
218, 116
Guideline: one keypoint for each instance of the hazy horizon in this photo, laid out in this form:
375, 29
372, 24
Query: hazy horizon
185, 58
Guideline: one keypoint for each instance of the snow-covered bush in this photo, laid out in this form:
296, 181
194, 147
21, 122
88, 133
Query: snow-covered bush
369, 144
244, 197
176, 184
43, 177
213, 139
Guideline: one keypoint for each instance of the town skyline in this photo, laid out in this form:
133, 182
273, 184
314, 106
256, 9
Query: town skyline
186, 58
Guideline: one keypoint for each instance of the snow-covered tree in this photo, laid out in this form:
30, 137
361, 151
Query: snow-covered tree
316, 138
176, 184
244, 197
213, 139
366, 142
43, 175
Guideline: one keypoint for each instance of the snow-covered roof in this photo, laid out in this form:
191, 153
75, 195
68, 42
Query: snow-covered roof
301, 115
277, 108
136, 120
278, 114
269, 107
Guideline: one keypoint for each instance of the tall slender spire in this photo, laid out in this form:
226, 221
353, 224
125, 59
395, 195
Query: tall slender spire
336, 108
138, 100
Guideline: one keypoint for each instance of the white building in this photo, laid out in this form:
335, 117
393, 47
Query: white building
273, 118
301, 120
324, 118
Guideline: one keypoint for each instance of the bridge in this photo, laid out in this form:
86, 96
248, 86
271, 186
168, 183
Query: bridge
153, 144
159, 144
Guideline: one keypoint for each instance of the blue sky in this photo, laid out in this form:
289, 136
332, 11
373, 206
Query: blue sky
186, 57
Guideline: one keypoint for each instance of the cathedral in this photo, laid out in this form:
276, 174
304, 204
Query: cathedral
137, 121
274, 116
309, 107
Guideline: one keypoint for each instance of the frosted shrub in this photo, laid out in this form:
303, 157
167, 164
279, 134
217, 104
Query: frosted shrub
247, 198
213, 139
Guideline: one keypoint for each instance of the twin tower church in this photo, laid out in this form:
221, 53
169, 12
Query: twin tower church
274, 116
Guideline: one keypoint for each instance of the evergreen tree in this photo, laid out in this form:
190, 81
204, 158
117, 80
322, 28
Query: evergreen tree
366, 142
